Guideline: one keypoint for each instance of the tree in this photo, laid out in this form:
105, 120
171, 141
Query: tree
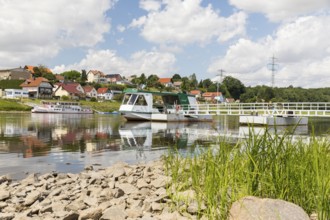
152, 81
176, 77
193, 81
83, 76
71, 75
234, 86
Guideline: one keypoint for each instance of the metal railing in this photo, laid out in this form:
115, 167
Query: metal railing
312, 109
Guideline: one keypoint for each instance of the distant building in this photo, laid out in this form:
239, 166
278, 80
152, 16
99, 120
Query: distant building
177, 84
211, 96
106, 94
167, 82
16, 73
38, 88
113, 78
196, 93
16, 93
59, 78
96, 76
90, 91
72, 90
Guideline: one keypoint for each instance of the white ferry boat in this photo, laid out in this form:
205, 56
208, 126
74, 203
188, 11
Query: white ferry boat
61, 107
161, 106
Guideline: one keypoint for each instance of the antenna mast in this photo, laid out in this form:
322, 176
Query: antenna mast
273, 67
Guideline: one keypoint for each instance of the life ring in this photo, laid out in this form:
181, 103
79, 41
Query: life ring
177, 108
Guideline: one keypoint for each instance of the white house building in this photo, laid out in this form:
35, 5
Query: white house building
16, 93
96, 76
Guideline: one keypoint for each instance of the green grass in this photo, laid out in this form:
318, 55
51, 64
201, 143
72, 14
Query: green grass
13, 105
267, 166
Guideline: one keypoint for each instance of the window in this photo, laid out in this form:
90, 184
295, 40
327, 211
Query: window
141, 100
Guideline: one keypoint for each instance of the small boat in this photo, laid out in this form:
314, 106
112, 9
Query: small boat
140, 105
61, 108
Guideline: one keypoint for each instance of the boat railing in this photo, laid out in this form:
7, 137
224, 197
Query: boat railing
277, 109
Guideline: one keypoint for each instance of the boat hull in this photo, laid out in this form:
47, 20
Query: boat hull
138, 116
51, 111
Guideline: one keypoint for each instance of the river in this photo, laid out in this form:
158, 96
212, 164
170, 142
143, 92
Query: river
40, 143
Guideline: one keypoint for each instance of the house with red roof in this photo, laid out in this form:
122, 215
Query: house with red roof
197, 93
72, 90
90, 91
38, 88
211, 96
106, 94
167, 82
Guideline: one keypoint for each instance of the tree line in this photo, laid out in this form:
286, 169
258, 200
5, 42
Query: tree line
230, 87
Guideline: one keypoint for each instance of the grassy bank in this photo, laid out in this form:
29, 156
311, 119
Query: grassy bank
268, 166
106, 106
13, 105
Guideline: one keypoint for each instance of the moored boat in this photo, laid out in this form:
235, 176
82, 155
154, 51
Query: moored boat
161, 106
61, 107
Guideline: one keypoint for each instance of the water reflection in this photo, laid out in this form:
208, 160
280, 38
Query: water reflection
67, 143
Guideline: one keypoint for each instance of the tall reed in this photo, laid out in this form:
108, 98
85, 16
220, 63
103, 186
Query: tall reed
267, 165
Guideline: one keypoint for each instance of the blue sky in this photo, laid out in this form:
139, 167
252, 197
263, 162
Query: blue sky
165, 37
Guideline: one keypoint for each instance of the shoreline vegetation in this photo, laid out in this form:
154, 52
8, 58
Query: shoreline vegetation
19, 105
267, 166
202, 184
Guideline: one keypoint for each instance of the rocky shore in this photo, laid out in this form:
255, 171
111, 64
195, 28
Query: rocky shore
121, 191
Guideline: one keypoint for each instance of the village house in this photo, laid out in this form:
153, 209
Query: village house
167, 82
113, 78
96, 76
16, 73
211, 96
106, 94
90, 91
72, 90
177, 85
59, 78
16, 93
38, 88
196, 93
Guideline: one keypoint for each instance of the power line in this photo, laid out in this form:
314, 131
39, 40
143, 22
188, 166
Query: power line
273, 67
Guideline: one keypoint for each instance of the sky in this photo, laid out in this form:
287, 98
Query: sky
167, 37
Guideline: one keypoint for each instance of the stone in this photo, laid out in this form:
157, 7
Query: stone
160, 181
128, 188
118, 193
250, 208
4, 195
7, 216
31, 198
114, 213
71, 216
91, 213
134, 213
141, 183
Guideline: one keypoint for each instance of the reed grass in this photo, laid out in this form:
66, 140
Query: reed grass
266, 165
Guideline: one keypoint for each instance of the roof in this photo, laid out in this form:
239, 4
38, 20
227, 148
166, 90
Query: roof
102, 90
165, 80
177, 83
88, 88
211, 94
96, 72
71, 88
59, 77
34, 82
195, 92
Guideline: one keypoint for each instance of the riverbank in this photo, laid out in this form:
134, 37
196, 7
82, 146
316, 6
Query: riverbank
24, 105
118, 192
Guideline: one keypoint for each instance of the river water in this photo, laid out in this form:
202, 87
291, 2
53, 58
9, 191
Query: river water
40, 143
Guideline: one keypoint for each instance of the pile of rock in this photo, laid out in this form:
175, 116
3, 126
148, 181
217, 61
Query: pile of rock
121, 191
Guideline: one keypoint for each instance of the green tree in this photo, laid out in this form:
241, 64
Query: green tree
234, 86
83, 76
176, 77
71, 75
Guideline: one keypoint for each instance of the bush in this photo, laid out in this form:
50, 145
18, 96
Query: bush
93, 99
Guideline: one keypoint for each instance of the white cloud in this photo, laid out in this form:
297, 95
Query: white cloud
301, 47
109, 62
39, 29
121, 28
150, 5
186, 21
282, 9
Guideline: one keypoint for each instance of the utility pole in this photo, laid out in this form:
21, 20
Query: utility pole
273, 67
221, 71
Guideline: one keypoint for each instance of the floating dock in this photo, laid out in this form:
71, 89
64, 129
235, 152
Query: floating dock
272, 120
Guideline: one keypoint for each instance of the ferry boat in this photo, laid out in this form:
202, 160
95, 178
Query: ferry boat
140, 105
61, 107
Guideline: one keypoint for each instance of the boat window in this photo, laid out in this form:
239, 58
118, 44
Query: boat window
141, 100
132, 99
126, 98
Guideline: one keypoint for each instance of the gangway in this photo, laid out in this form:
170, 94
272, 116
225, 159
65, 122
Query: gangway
284, 109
